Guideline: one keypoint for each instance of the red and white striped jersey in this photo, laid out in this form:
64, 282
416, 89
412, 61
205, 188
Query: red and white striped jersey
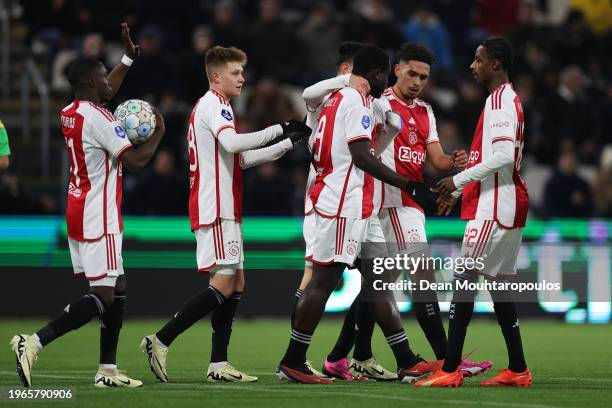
407, 154
340, 188
502, 196
95, 142
215, 175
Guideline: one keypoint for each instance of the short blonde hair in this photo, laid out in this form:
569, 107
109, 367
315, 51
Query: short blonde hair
218, 56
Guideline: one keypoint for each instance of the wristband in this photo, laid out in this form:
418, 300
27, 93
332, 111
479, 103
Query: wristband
125, 60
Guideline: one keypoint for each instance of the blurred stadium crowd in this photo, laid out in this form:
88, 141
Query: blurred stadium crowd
562, 72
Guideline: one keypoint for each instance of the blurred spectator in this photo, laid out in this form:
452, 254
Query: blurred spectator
267, 191
193, 74
568, 114
274, 49
269, 103
426, 28
227, 28
598, 13
468, 108
153, 72
320, 55
375, 25
602, 186
159, 190
566, 194
498, 16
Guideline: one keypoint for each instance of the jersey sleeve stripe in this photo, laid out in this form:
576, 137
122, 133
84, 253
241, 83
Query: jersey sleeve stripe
500, 139
432, 141
222, 128
104, 113
123, 150
357, 138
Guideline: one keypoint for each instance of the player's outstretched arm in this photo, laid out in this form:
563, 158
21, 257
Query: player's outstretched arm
117, 75
445, 162
237, 143
255, 157
136, 159
314, 94
364, 160
503, 155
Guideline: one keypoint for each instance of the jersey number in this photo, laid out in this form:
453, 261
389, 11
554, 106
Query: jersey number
74, 168
193, 157
318, 139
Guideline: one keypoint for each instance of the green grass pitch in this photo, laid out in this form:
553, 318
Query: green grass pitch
572, 367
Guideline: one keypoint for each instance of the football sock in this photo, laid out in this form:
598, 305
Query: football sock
460, 314
295, 356
298, 295
507, 317
221, 320
110, 326
193, 310
346, 339
75, 315
427, 310
363, 332
401, 349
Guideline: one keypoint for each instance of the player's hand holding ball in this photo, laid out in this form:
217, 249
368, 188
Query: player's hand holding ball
295, 130
139, 119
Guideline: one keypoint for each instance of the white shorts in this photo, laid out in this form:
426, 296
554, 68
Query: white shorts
308, 230
374, 244
100, 261
404, 229
338, 240
498, 247
219, 246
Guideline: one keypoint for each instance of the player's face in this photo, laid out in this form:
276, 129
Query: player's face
482, 66
103, 86
345, 68
412, 76
378, 81
231, 79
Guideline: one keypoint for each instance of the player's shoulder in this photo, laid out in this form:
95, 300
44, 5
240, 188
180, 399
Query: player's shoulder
423, 106
93, 113
352, 96
503, 97
213, 103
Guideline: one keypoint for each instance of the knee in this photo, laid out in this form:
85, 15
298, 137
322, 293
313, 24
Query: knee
121, 286
106, 296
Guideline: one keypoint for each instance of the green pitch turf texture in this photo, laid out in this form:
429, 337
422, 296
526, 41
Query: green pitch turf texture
572, 367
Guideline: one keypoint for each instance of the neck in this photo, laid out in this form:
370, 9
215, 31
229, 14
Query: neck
218, 90
497, 81
87, 96
404, 98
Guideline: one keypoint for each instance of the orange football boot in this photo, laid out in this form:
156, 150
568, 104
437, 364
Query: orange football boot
419, 370
510, 378
441, 378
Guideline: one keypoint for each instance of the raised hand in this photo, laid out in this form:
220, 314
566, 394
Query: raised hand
131, 50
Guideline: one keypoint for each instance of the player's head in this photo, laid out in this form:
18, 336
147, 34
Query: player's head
372, 63
344, 56
413, 68
89, 76
224, 68
493, 57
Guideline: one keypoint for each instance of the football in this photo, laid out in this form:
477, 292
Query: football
137, 118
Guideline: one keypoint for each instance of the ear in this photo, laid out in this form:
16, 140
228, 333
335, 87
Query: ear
91, 81
215, 77
344, 68
497, 65
396, 69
